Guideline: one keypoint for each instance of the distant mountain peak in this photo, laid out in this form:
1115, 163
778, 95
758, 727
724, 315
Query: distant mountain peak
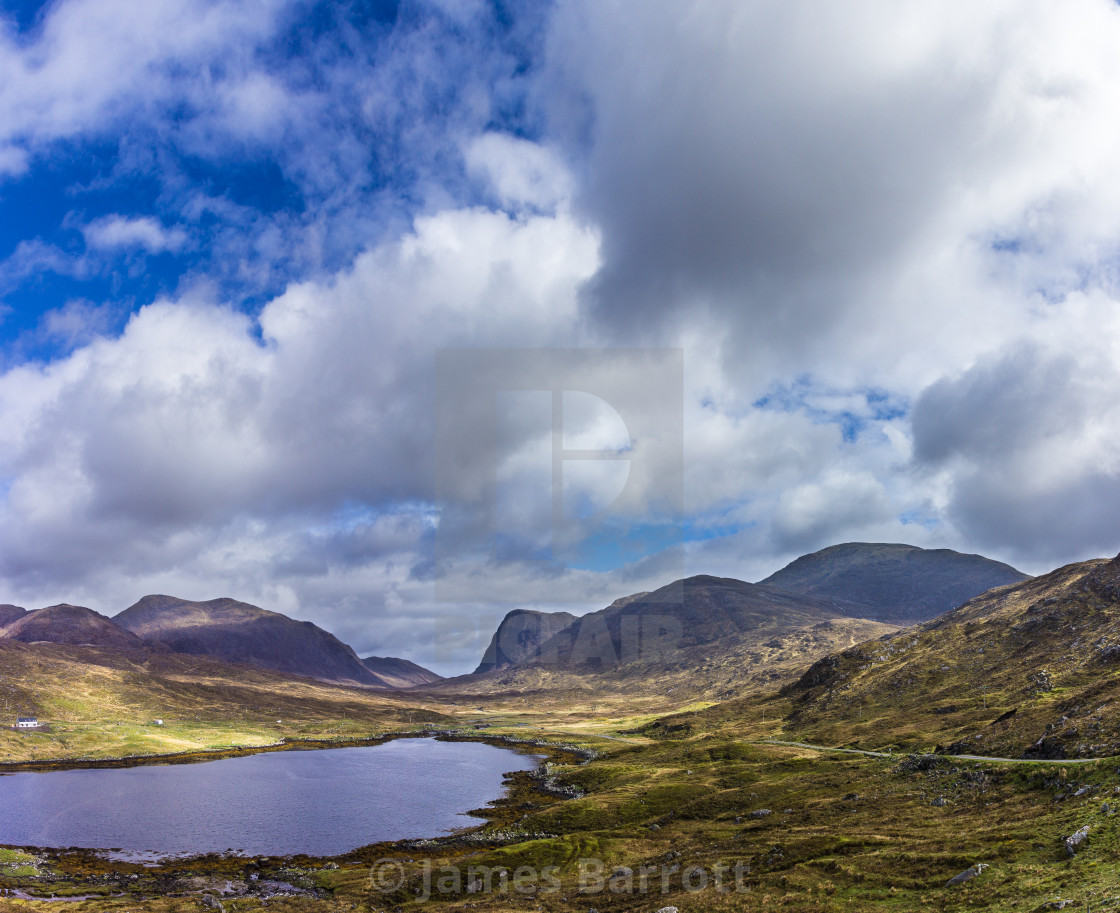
240, 632
400, 673
9, 613
70, 624
891, 582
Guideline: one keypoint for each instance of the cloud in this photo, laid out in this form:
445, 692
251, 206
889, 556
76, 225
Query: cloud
522, 173
114, 232
841, 170
90, 64
31, 258
886, 237
190, 437
1024, 444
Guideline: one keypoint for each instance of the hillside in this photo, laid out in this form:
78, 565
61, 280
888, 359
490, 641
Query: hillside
649, 627
9, 613
897, 584
726, 669
703, 638
891, 584
70, 624
400, 673
686, 613
102, 702
1031, 670
238, 632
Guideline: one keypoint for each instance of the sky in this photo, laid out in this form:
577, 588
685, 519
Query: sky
770, 275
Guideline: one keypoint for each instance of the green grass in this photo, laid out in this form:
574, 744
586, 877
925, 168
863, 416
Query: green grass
17, 864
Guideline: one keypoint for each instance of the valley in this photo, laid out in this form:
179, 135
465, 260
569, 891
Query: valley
824, 757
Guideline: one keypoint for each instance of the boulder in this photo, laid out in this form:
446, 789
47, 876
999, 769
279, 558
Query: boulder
967, 875
1076, 840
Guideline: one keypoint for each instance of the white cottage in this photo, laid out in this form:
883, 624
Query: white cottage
27, 722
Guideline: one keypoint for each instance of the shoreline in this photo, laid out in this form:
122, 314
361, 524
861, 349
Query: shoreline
218, 754
500, 812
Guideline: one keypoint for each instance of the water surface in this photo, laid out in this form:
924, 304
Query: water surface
321, 802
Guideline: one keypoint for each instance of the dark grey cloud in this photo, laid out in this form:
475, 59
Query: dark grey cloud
1002, 406
1025, 442
762, 162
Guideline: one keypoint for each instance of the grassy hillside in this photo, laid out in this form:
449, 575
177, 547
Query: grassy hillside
1028, 670
103, 703
734, 665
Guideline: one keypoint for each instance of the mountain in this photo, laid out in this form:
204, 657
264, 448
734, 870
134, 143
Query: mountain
890, 584
519, 637
650, 627
897, 584
238, 632
70, 624
1029, 670
698, 638
9, 613
400, 673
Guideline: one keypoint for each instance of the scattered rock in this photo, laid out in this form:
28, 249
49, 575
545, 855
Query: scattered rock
967, 875
825, 671
938, 802
922, 762
1042, 681
1084, 791
1046, 749
1110, 654
850, 797
760, 813
668, 910
1076, 839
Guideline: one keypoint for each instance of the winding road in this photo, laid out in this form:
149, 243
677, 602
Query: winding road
902, 754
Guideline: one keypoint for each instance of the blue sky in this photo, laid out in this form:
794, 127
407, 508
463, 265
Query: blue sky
198, 193
234, 237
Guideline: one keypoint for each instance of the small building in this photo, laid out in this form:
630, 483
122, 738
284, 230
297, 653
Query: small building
159, 722
27, 722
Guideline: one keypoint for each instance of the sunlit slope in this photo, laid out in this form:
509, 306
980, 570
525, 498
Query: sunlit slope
1027, 670
101, 702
